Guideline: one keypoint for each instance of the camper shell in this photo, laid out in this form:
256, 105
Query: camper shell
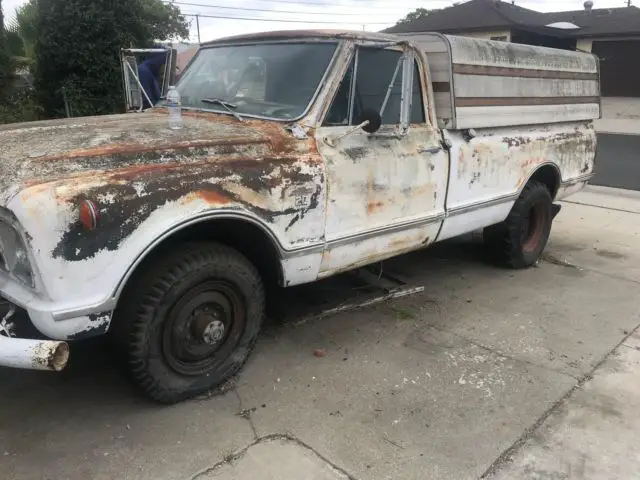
481, 83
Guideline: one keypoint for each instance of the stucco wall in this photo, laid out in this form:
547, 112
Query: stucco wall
584, 44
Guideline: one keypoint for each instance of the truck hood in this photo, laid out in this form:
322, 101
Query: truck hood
40, 152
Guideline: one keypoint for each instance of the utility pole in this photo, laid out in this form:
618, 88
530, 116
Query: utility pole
198, 26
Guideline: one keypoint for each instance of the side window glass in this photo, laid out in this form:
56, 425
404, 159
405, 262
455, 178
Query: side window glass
338, 113
417, 104
375, 83
376, 68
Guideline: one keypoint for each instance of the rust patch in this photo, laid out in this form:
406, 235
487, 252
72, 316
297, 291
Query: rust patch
373, 207
401, 243
38, 188
236, 163
213, 197
132, 168
123, 149
514, 142
130, 173
248, 188
356, 153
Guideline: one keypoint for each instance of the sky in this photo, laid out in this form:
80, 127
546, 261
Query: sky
371, 15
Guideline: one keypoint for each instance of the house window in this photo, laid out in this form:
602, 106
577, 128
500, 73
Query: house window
502, 38
379, 77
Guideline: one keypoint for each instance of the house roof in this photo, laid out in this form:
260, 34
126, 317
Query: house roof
602, 21
184, 57
486, 14
475, 14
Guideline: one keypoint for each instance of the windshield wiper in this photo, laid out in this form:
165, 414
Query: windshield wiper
227, 105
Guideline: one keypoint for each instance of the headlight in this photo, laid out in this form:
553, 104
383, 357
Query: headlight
13, 255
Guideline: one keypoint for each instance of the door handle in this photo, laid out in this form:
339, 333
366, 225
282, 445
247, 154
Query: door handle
429, 150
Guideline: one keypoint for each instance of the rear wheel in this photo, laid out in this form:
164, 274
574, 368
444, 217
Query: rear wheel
519, 241
192, 321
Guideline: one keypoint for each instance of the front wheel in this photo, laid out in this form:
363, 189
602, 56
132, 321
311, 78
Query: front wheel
519, 241
192, 321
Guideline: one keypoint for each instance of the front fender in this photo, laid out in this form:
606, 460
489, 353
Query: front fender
83, 270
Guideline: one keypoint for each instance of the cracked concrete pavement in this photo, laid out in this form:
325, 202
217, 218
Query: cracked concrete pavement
486, 373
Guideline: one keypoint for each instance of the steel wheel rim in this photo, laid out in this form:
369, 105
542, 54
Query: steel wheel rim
203, 327
533, 227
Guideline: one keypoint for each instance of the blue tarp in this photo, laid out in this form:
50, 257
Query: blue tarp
148, 73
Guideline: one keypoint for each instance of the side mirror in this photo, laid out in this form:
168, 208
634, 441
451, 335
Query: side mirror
373, 119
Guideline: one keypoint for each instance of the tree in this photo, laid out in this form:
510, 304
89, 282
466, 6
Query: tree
6, 65
415, 15
22, 35
78, 47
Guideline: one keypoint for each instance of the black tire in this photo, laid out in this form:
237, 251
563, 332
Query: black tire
190, 322
519, 241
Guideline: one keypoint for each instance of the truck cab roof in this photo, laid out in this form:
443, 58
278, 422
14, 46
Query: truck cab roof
305, 34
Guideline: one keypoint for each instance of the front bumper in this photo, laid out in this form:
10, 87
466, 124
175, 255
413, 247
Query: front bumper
56, 320
33, 354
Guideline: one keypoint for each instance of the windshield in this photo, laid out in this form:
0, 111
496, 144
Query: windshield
276, 80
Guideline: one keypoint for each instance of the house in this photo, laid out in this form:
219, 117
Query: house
184, 57
613, 34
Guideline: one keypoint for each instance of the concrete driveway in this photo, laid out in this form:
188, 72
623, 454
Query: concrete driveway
617, 162
618, 144
487, 372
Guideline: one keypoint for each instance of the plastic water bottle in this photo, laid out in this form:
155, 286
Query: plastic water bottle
175, 111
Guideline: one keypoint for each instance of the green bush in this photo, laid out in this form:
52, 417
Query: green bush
77, 53
20, 106
6, 65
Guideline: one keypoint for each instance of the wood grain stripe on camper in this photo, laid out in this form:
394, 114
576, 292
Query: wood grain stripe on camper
441, 87
521, 101
521, 72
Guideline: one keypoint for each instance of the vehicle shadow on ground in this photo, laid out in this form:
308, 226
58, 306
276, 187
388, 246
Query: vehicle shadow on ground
94, 375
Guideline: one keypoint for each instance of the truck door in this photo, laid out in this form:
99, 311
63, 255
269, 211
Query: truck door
386, 190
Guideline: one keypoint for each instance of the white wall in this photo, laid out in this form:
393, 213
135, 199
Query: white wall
584, 44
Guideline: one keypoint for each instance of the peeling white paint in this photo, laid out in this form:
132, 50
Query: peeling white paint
368, 198
140, 188
108, 198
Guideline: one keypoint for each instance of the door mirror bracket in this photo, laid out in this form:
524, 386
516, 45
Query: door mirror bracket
369, 121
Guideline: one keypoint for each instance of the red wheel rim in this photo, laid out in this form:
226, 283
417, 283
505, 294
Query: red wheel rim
534, 226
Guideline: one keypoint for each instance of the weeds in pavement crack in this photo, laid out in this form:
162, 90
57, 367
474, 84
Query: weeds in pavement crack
246, 413
550, 258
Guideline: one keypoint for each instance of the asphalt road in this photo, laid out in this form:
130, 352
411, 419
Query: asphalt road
618, 161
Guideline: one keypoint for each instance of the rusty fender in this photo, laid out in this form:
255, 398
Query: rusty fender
143, 182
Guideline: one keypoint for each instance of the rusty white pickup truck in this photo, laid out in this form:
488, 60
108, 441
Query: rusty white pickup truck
302, 155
